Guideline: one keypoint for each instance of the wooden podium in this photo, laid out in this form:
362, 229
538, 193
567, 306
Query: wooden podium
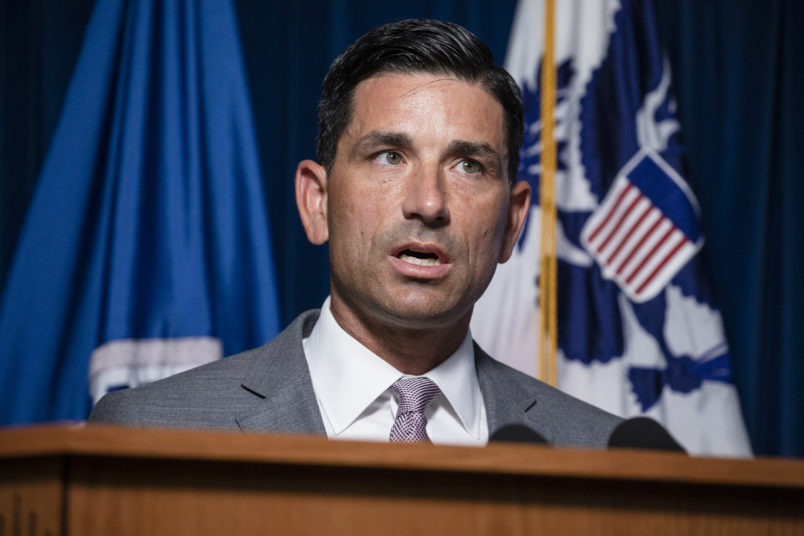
85, 480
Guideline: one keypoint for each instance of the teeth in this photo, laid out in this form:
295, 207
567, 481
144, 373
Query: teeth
430, 261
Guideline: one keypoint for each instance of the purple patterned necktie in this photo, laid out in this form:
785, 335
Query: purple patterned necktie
414, 394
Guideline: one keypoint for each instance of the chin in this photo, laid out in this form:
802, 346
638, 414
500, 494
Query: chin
425, 313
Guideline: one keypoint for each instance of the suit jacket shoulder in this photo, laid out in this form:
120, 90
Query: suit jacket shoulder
268, 389
512, 397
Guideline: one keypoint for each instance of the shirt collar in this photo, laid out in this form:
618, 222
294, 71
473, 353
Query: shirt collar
348, 377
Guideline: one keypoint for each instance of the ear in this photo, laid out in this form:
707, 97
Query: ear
518, 210
311, 200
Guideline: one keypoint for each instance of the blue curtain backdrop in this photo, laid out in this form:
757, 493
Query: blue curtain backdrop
738, 73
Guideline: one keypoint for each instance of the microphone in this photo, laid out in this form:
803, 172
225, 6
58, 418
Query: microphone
643, 433
517, 433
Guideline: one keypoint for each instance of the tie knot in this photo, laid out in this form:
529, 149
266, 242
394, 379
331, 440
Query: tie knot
415, 393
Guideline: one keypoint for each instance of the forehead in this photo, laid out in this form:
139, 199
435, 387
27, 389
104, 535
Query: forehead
427, 104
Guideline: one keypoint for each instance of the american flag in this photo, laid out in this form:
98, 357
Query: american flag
645, 230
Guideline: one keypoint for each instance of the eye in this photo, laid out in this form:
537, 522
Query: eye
470, 166
392, 157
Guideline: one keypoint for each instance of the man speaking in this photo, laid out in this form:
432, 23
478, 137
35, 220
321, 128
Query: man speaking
414, 190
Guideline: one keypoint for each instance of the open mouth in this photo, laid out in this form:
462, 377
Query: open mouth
421, 258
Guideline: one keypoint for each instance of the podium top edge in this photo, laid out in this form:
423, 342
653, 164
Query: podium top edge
78, 440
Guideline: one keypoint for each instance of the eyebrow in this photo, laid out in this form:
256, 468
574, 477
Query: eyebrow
377, 139
475, 149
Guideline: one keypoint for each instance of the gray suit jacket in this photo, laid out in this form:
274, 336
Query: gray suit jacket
269, 389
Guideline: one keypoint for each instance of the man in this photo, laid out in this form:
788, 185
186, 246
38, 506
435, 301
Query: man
418, 147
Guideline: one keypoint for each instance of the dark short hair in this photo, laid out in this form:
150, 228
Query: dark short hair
415, 46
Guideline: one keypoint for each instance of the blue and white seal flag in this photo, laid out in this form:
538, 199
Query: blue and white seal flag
638, 330
146, 248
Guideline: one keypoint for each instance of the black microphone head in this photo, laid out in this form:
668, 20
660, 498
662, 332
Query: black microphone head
643, 433
517, 433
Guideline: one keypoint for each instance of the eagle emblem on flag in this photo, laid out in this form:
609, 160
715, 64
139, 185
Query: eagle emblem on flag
638, 328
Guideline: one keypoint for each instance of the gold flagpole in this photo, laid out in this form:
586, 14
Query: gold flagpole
548, 299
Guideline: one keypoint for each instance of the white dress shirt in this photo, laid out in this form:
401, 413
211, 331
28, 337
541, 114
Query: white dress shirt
352, 386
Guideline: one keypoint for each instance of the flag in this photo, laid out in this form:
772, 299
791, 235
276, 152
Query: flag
639, 332
146, 248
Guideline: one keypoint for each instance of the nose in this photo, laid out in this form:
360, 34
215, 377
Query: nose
425, 197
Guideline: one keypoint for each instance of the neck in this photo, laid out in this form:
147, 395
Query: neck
409, 348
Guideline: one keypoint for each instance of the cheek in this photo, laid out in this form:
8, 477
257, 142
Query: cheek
354, 220
488, 246
488, 228
369, 209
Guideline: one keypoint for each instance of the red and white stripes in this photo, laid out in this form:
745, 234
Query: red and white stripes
635, 244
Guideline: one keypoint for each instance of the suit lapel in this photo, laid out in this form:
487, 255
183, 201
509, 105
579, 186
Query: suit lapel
285, 401
506, 399
280, 381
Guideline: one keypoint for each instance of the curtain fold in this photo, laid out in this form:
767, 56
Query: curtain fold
740, 80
